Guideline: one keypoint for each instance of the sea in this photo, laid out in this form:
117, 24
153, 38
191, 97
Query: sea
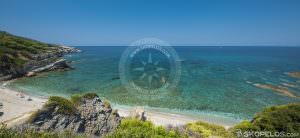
214, 80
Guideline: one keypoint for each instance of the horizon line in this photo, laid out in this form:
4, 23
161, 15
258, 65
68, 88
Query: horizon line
195, 45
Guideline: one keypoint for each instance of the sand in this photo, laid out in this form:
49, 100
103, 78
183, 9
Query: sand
17, 110
15, 107
167, 118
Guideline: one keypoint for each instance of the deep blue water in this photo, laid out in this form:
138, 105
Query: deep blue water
214, 79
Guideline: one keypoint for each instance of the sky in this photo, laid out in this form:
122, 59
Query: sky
179, 22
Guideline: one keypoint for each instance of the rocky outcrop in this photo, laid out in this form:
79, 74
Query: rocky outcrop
60, 64
91, 116
67, 50
52, 60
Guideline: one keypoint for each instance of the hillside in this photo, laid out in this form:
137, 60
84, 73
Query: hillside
19, 55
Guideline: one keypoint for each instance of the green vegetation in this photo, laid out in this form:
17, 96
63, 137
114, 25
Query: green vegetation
11, 133
89, 95
65, 106
69, 106
133, 128
205, 130
15, 51
77, 98
244, 126
106, 104
283, 118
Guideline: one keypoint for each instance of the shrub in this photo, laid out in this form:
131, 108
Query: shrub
106, 104
76, 98
279, 118
65, 106
283, 118
90, 95
134, 128
12, 133
202, 129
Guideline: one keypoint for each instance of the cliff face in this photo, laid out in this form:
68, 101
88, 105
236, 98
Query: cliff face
20, 56
90, 116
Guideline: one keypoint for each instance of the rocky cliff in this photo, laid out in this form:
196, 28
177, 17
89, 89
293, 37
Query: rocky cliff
21, 56
87, 114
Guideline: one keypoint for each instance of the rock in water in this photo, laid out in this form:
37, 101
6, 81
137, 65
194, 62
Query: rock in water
89, 116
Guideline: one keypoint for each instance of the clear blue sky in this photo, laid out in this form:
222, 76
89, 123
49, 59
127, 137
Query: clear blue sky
180, 22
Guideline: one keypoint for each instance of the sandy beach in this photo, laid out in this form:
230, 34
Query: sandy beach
17, 108
166, 118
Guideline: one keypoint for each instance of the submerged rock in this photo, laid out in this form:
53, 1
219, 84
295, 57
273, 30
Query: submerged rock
279, 89
295, 74
87, 115
115, 78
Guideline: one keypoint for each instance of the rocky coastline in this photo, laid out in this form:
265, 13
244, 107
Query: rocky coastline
49, 61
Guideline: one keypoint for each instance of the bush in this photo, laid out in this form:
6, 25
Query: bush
65, 106
246, 126
76, 98
12, 133
106, 104
279, 118
283, 118
90, 95
205, 130
134, 128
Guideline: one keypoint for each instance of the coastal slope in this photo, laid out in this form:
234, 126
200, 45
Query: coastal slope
21, 56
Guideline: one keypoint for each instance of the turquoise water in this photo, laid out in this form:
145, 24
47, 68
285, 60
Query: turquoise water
216, 80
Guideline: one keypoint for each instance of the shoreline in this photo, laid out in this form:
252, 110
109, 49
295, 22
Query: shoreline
17, 110
16, 105
166, 117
